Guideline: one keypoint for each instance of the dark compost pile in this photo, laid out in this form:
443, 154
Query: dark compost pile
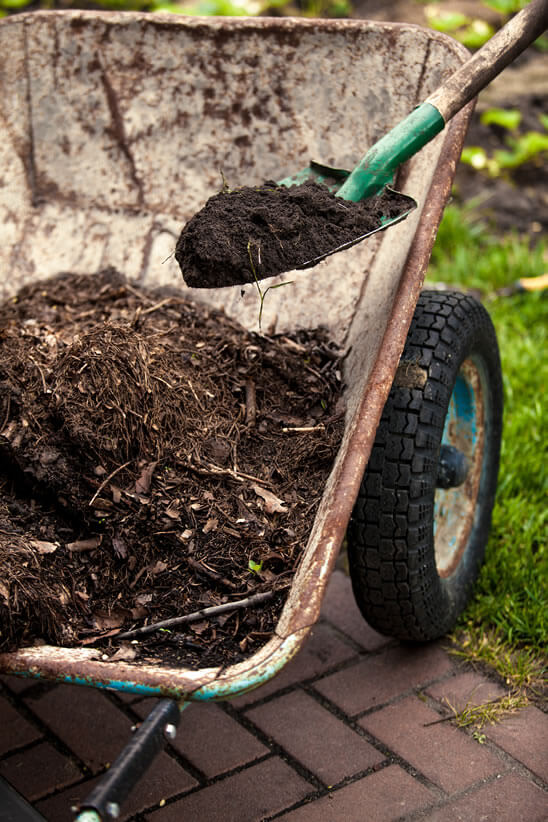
254, 233
156, 459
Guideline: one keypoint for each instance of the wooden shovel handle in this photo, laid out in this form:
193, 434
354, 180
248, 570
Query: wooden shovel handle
491, 59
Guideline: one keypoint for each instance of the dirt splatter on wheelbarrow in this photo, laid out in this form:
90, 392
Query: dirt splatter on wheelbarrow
156, 459
249, 234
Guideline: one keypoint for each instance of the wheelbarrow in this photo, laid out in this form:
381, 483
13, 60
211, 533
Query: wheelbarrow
113, 129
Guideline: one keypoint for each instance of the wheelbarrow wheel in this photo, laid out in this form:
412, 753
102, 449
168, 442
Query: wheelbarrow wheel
417, 535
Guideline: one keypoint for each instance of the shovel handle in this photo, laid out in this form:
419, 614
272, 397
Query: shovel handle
379, 165
491, 59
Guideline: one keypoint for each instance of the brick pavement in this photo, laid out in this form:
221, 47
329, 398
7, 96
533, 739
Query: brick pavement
350, 730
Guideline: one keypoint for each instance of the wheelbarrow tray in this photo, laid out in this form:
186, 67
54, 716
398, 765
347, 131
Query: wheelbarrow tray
113, 130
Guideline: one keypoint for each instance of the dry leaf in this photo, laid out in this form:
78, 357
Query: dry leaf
85, 544
143, 599
273, 504
142, 483
120, 547
106, 622
44, 547
125, 653
4, 592
158, 567
200, 627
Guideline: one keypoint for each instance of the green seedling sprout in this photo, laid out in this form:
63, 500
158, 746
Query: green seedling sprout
226, 188
262, 294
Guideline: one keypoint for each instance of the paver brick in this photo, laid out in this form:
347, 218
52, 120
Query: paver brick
86, 721
165, 778
381, 677
15, 731
339, 607
380, 797
322, 650
17, 684
507, 799
465, 690
315, 737
525, 737
248, 796
444, 754
39, 771
210, 739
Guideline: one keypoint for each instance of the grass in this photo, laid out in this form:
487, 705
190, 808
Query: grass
489, 713
505, 625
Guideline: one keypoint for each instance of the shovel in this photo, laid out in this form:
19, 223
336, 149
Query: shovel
369, 179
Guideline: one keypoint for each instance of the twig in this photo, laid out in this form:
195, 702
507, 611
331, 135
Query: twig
208, 572
8, 409
44, 386
138, 294
157, 305
204, 613
250, 402
107, 480
195, 395
209, 469
305, 429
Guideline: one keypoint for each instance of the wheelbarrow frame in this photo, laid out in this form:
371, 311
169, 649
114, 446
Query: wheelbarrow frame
85, 666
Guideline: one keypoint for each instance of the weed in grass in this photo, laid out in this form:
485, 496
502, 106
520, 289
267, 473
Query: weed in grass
488, 713
522, 668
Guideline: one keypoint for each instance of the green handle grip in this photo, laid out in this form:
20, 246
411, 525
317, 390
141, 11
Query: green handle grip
379, 165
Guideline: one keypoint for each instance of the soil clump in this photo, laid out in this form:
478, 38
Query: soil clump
249, 234
156, 459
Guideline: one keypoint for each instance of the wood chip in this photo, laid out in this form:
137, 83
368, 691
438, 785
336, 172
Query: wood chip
85, 544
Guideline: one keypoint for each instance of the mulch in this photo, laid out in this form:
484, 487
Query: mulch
156, 459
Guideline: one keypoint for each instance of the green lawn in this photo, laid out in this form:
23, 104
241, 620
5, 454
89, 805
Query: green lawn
506, 621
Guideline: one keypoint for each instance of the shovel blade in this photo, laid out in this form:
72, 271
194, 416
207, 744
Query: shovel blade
333, 178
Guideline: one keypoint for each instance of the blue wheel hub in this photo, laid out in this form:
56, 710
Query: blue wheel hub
459, 469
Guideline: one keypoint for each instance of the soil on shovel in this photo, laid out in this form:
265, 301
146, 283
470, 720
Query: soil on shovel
156, 459
249, 234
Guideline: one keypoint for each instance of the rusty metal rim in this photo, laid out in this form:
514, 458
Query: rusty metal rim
73, 665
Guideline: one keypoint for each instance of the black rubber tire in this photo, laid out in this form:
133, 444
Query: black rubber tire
391, 545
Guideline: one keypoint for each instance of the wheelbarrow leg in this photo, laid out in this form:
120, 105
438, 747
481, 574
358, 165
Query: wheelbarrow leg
103, 803
13, 808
